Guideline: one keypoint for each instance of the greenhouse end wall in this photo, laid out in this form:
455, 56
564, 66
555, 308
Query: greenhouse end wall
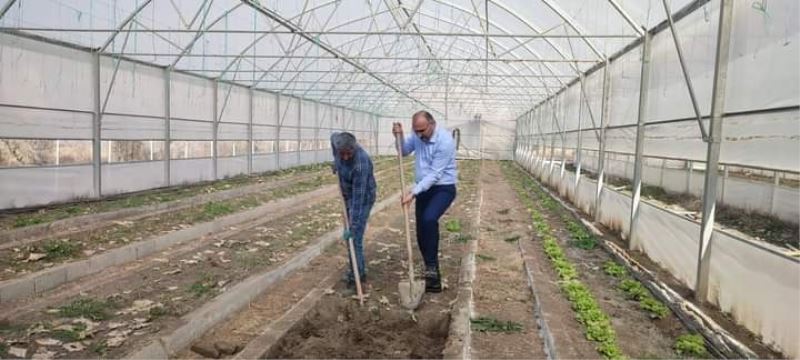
183, 128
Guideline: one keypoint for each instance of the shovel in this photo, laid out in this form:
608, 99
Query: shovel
410, 291
352, 253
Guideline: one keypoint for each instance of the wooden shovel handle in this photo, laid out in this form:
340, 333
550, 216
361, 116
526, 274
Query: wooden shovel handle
398, 141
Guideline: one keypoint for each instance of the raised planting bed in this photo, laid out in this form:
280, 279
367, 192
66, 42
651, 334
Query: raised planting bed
166, 293
621, 323
45, 253
80, 217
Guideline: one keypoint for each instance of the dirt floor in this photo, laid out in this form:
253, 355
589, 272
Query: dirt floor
125, 313
339, 328
501, 287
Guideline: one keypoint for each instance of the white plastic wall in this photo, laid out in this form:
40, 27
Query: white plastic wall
47, 92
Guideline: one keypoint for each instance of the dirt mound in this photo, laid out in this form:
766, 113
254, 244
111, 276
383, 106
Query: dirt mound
339, 328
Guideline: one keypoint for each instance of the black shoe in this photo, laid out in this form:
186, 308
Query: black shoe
433, 282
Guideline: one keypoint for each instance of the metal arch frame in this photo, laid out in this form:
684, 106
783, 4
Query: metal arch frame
276, 17
375, 47
357, 39
638, 28
575, 27
201, 32
124, 23
454, 7
6, 7
266, 33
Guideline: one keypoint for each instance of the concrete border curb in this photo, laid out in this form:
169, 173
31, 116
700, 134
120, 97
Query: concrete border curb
459, 337
198, 322
269, 336
41, 281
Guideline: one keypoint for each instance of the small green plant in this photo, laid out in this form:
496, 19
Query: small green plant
86, 307
453, 225
57, 249
157, 312
463, 238
213, 210
76, 333
691, 345
654, 307
614, 269
488, 324
203, 286
485, 257
581, 238
99, 347
27, 221
633, 289
512, 239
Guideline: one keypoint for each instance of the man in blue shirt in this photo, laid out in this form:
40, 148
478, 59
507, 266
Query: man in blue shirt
435, 188
357, 182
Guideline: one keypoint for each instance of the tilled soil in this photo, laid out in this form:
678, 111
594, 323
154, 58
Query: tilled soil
339, 328
130, 311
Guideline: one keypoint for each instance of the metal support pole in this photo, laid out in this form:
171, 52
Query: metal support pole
250, 115
776, 182
690, 170
601, 163
724, 181
644, 86
96, 126
712, 157
278, 121
661, 174
299, 131
563, 147
214, 132
578, 152
316, 132
552, 142
167, 128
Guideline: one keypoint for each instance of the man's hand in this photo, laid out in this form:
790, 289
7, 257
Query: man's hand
346, 235
407, 198
397, 129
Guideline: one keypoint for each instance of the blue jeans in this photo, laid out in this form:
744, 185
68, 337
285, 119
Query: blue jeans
430, 206
358, 246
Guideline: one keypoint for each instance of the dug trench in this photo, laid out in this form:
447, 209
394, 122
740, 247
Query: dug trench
335, 325
120, 316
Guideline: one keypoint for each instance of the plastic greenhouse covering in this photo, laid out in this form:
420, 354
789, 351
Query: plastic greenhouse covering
103, 97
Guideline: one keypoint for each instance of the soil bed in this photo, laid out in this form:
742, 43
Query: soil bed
139, 305
338, 328
79, 245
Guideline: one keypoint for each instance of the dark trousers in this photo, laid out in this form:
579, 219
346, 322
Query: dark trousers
430, 205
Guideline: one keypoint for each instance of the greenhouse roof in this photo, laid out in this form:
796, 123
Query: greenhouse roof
496, 57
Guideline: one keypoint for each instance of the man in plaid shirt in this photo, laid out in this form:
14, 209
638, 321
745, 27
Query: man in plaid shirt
357, 182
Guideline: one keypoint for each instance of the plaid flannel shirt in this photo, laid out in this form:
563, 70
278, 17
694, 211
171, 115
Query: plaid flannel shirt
357, 182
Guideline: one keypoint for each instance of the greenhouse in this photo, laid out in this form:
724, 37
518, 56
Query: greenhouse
577, 179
